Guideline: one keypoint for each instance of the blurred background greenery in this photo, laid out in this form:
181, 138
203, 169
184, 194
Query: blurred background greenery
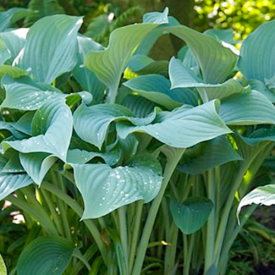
241, 15
103, 16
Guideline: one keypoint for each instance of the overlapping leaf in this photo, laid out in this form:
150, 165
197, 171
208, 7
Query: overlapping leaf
105, 189
92, 123
44, 256
51, 47
247, 109
184, 77
51, 130
183, 127
157, 89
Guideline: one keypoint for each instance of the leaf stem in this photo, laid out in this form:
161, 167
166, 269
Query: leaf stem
173, 157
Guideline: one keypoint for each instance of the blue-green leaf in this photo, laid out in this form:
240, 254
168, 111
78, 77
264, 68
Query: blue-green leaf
257, 59
183, 127
105, 189
247, 109
51, 47
208, 155
192, 214
92, 123
51, 129
11, 182
45, 256
86, 78
157, 89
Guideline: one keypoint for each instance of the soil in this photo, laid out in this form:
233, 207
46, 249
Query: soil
269, 269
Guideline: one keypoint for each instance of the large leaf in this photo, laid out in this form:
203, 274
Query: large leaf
208, 155
86, 78
51, 130
4, 52
45, 256
42, 8
257, 58
11, 16
92, 123
110, 63
264, 195
14, 41
183, 127
105, 189
78, 156
246, 109
3, 269
51, 47
25, 94
216, 62
157, 89
11, 182
192, 214
183, 77
37, 165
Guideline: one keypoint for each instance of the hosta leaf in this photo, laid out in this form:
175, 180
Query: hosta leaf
226, 35
264, 195
14, 41
259, 135
4, 52
247, 109
25, 94
51, 129
45, 256
78, 156
208, 155
138, 61
11, 182
140, 106
192, 214
183, 77
92, 123
24, 123
156, 17
86, 78
37, 165
110, 63
11, 71
259, 86
105, 189
10, 16
51, 47
10, 127
42, 8
183, 127
259, 66
3, 269
157, 89
216, 62
13, 165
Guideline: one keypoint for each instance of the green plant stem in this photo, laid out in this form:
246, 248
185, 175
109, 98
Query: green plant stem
226, 212
135, 235
233, 235
172, 162
53, 211
123, 235
211, 224
79, 211
189, 253
186, 267
57, 180
36, 213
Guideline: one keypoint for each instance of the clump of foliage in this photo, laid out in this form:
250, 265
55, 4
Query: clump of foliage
153, 156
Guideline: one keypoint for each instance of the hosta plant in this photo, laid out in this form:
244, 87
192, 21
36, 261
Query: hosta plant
121, 164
